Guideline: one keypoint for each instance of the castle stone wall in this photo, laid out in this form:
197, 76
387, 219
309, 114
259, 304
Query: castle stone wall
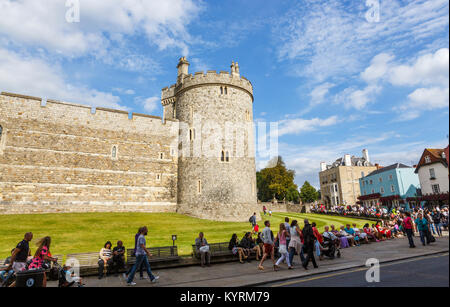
59, 158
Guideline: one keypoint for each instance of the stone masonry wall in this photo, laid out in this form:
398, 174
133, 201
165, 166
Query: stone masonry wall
59, 158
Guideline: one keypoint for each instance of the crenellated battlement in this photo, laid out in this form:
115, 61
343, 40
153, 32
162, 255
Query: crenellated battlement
33, 108
211, 77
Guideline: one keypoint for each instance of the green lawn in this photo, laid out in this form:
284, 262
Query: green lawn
87, 232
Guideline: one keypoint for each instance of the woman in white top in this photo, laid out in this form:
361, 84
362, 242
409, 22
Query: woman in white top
295, 245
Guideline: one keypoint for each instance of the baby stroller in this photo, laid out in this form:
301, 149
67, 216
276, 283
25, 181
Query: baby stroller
62, 273
331, 248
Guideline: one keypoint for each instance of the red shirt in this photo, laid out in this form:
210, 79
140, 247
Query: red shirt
317, 235
407, 223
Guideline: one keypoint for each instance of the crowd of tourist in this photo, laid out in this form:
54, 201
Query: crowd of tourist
306, 242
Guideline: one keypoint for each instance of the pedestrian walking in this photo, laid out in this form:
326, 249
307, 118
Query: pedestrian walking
268, 250
423, 227
308, 246
141, 257
408, 228
295, 245
282, 236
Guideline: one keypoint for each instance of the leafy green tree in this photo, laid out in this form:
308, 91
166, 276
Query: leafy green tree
277, 181
308, 193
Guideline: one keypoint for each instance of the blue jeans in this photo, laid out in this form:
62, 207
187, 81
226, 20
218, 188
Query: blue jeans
409, 233
139, 260
438, 229
424, 236
292, 254
5, 276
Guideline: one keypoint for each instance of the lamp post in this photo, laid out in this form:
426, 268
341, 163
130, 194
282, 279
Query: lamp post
174, 238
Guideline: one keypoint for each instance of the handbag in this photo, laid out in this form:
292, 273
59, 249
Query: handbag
282, 249
204, 249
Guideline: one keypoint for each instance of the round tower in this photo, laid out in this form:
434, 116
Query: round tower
216, 163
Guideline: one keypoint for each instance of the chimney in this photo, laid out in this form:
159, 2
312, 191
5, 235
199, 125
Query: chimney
323, 166
183, 67
365, 153
347, 160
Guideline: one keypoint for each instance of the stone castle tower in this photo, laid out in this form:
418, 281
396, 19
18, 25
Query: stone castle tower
216, 163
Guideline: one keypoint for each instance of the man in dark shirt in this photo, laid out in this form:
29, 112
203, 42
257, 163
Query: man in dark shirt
308, 246
119, 257
21, 253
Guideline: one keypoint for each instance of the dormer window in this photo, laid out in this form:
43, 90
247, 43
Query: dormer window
427, 159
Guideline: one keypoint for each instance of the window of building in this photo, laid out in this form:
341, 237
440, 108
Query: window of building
382, 190
161, 155
192, 134
435, 188
390, 177
227, 156
371, 181
1, 131
222, 156
221, 90
432, 174
362, 174
392, 188
373, 191
427, 159
226, 90
443, 153
380, 179
199, 187
362, 182
158, 177
174, 113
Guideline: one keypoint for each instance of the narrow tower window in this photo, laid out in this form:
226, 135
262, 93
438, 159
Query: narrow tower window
226, 90
114, 152
1, 131
221, 90
199, 187
227, 157
161, 155
222, 156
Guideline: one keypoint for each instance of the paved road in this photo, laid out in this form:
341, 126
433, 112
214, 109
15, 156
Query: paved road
431, 271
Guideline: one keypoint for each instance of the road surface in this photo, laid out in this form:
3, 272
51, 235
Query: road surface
429, 271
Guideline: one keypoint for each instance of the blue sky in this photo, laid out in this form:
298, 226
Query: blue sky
335, 81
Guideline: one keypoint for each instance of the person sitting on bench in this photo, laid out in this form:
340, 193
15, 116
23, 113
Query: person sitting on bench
202, 247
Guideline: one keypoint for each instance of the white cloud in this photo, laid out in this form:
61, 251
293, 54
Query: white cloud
34, 76
356, 98
378, 67
428, 69
332, 39
429, 98
150, 104
300, 125
42, 24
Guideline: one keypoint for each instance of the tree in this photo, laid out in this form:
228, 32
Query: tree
278, 181
308, 193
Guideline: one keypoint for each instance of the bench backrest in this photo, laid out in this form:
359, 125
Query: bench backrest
163, 252
215, 248
85, 259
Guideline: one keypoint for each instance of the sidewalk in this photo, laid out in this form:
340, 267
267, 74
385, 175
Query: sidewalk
236, 274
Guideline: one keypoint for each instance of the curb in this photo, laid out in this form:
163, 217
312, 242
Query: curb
339, 269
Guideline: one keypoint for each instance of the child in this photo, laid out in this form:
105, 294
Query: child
66, 275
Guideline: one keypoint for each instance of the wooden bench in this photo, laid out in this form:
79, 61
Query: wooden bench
220, 252
158, 254
84, 259
215, 249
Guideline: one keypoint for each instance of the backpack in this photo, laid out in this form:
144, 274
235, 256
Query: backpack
250, 220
